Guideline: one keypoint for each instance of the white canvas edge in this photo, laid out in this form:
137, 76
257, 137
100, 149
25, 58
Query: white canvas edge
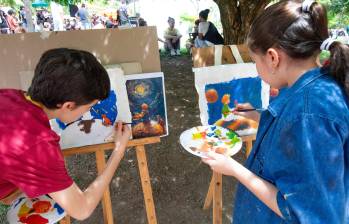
125, 113
144, 75
208, 75
153, 75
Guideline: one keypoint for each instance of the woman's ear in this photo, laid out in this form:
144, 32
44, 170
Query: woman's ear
273, 57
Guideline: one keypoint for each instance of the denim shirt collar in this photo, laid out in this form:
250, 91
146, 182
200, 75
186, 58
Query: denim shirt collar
276, 106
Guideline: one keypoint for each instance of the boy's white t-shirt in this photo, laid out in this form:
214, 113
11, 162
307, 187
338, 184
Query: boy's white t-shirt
203, 27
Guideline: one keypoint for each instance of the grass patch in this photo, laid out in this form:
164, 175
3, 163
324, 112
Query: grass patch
165, 54
3, 211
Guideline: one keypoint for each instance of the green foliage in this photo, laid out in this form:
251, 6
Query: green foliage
10, 3
67, 2
338, 12
188, 18
339, 6
324, 56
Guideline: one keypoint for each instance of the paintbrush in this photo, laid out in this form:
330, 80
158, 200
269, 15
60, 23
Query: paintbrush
247, 110
123, 123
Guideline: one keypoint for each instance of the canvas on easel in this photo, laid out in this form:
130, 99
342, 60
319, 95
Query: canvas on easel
97, 125
146, 94
221, 87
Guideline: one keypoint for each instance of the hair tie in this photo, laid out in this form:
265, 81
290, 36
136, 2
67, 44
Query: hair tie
325, 46
306, 5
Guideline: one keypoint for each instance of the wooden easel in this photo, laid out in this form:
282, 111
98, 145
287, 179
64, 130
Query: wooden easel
203, 57
99, 151
215, 189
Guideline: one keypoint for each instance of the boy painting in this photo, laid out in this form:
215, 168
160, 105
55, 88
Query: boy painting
66, 84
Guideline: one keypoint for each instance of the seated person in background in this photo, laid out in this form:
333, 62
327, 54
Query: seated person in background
192, 36
142, 22
99, 24
111, 23
208, 33
172, 38
196, 29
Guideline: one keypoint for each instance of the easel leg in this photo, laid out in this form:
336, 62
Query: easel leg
217, 198
146, 185
65, 220
106, 201
209, 196
248, 147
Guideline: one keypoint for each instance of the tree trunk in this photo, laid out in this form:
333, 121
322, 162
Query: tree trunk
237, 17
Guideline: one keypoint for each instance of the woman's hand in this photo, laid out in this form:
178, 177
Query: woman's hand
220, 163
121, 136
254, 115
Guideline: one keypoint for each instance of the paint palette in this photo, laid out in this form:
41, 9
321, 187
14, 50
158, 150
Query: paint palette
39, 210
200, 140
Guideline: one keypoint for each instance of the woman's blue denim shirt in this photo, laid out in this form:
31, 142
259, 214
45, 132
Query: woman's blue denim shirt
302, 148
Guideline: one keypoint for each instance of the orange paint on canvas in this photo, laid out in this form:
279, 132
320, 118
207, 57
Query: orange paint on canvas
42, 206
226, 99
106, 120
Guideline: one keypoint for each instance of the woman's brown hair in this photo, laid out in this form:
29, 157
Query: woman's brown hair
299, 34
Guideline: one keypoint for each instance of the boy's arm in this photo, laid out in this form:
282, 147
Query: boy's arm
9, 199
80, 204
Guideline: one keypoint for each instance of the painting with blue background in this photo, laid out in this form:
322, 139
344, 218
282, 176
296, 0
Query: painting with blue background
146, 91
105, 107
245, 90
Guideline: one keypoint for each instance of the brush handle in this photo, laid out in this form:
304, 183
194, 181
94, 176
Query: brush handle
247, 110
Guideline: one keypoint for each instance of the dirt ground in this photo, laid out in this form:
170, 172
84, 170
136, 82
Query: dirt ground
179, 180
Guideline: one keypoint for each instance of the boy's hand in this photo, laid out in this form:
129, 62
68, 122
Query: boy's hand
122, 135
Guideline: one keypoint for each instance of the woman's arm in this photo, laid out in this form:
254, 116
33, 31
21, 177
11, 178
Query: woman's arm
261, 188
